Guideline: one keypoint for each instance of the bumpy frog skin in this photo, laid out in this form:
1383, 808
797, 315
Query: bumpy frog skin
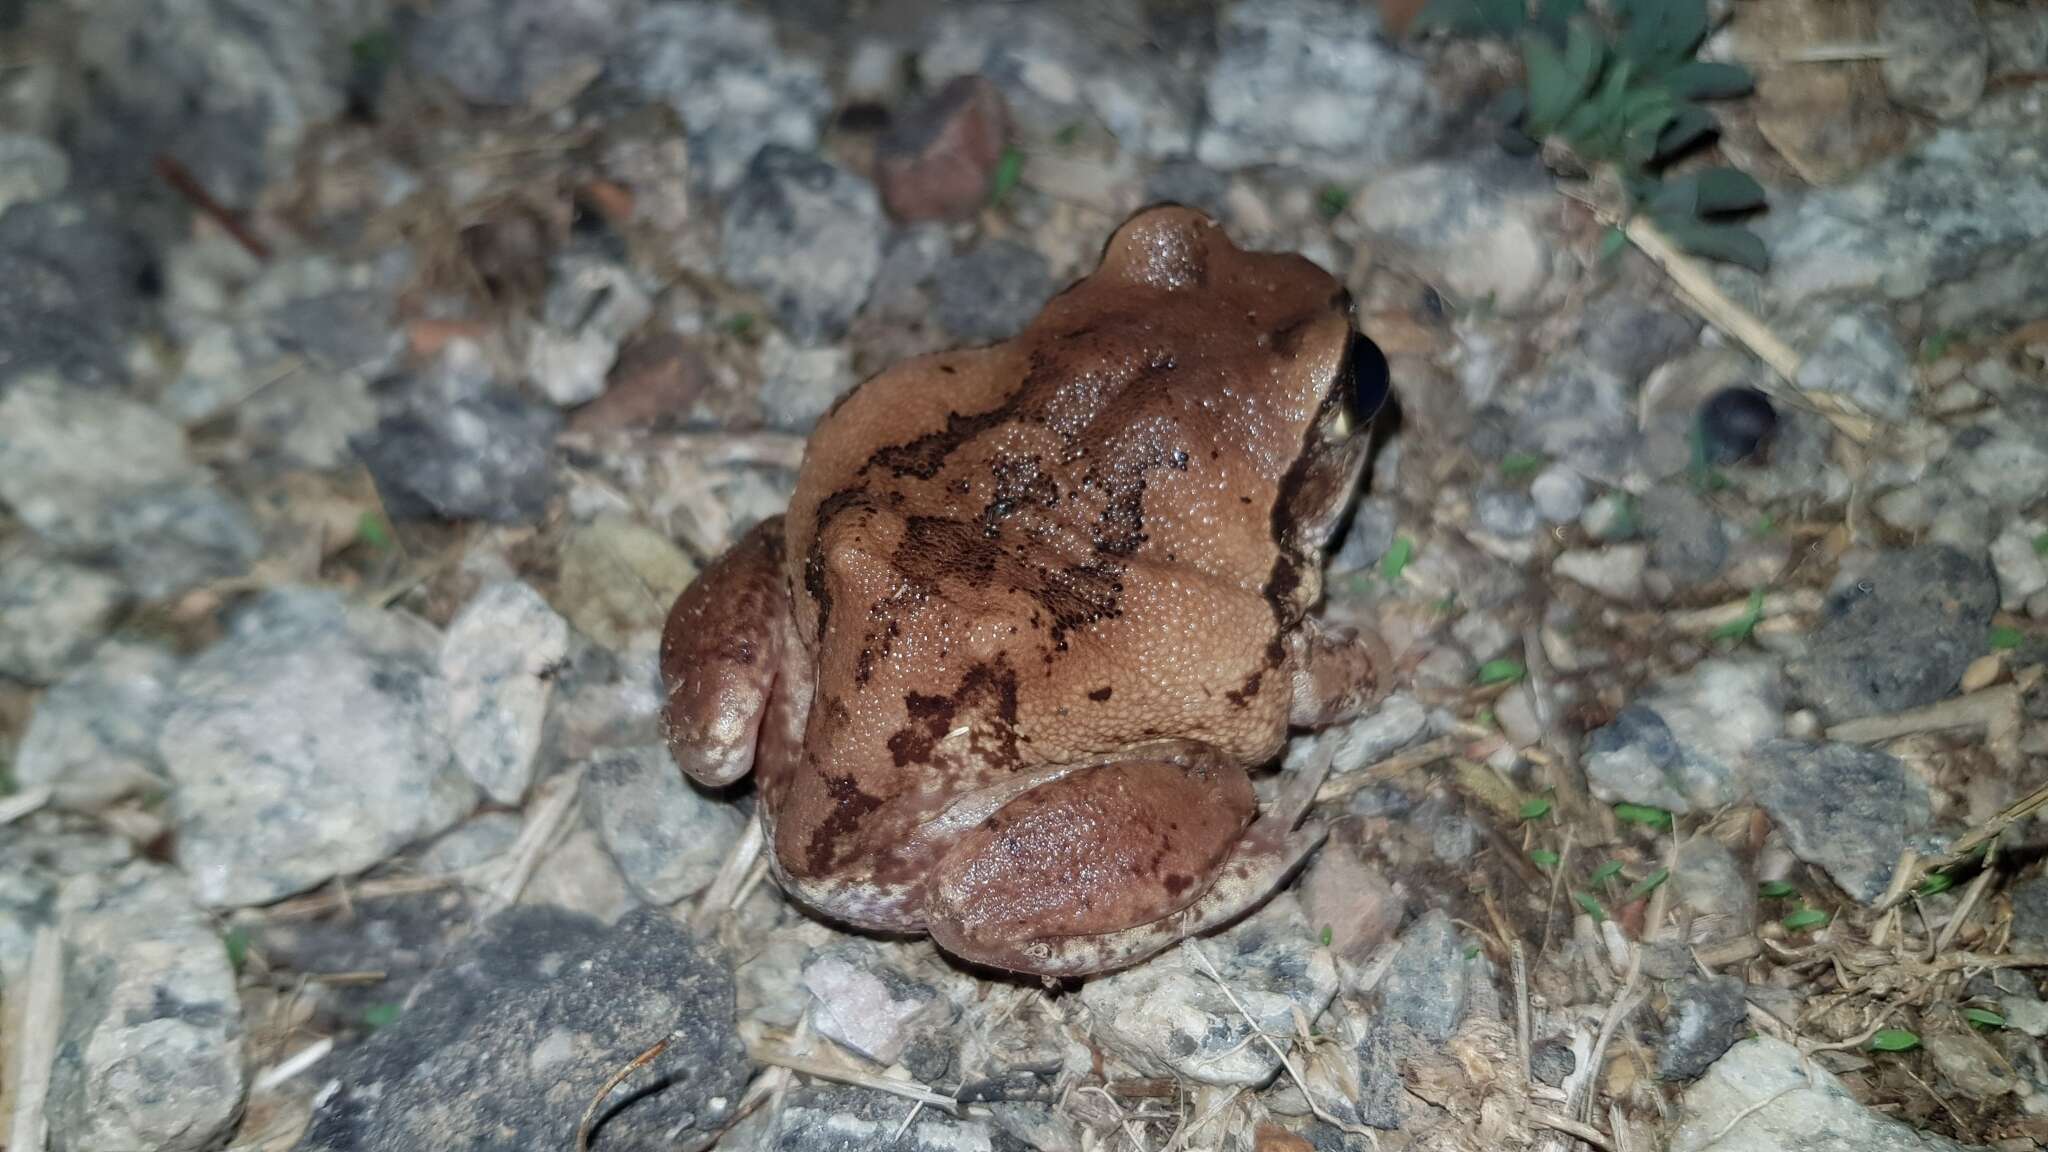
1036, 608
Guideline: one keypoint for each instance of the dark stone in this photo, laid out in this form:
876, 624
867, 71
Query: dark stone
1707, 1017
1847, 808
991, 291
1686, 540
483, 458
1734, 425
1901, 636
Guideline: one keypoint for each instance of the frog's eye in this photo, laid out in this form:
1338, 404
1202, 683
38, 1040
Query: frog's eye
1370, 380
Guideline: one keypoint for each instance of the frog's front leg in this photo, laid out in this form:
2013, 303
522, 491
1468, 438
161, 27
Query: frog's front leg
725, 642
1338, 673
1092, 870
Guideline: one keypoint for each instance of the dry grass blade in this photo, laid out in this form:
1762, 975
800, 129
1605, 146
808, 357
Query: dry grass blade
1572, 1128
22, 804
545, 819
611, 1084
287, 1069
43, 1013
830, 1070
1399, 764
726, 888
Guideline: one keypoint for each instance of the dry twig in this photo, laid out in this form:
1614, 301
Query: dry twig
43, 999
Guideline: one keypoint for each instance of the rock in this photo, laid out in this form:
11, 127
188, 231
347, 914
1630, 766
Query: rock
991, 291
309, 743
68, 277
1687, 540
1707, 1017
1682, 746
1900, 636
92, 738
656, 381
578, 875
36, 856
480, 839
1373, 524
1398, 722
619, 578
403, 937
1858, 357
807, 236
1314, 84
1559, 494
1915, 222
938, 159
1350, 900
1480, 230
2005, 465
592, 305
166, 541
1849, 809
867, 1005
71, 456
1185, 181
461, 448
1451, 568
31, 169
719, 67
2018, 38
1736, 423
1972, 1067
1632, 339
1713, 886
1550, 1061
1484, 634
51, 613
489, 1045
1428, 985
150, 1053
1764, 1097
1170, 1018
1505, 512
499, 658
1615, 572
2021, 566
798, 384
836, 1118
2030, 910
1578, 414
513, 52
1938, 55
668, 839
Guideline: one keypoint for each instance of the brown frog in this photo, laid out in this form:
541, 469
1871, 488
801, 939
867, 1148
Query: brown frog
1036, 608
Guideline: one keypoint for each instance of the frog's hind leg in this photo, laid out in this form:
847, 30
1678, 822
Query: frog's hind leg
1108, 865
722, 649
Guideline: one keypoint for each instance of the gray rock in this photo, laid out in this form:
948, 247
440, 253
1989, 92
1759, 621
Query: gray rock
667, 838
68, 278
2002, 292
1559, 494
1578, 414
591, 306
92, 737
799, 385
2030, 910
867, 1005
1481, 229
1939, 55
2004, 464
1398, 722
1713, 886
1858, 357
1505, 512
1916, 221
1899, 636
512, 52
1550, 1061
1451, 568
402, 936
31, 169
1849, 809
719, 67
1763, 1096
1688, 542
460, 448
36, 857
51, 613
167, 540
806, 235
1681, 746
482, 838
836, 1118
488, 1046
150, 1053
1427, 987
69, 456
1484, 634
1171, 1018
2018, 36
499, 658
1373, 524
310, 742
1315, 84
1615, 572
1632, 339
578, 875
1184, 181
1707, 1017
991, 291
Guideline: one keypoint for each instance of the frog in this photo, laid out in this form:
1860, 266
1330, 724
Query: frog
1037, 611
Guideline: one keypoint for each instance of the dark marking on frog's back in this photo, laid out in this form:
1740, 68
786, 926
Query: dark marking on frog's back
1244, 695
1101, 695
849, 805
934, 549
925, 455
931, 717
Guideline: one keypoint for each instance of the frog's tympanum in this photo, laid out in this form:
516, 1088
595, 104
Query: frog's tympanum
1036, 608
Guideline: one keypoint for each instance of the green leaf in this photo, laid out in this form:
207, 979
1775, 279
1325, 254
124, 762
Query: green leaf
2041, 544
1331, 201
1686, 129
1516, 465
1396, 559
1661, 38
1728, 190
1936, 883
1535, 809
1471, 951
1606, 872
1584, 52
1984, 1017
1648, 884
1894, 1040
1740, 629
1709, 80
1009, 170
1612, 241
237, 942
1804, 920
1068, 133
1776, 890
1642, 814
1504, 17
1329, 934
2005, 638
1502, 671
1727, 242
380, 1016
1553, 90
1543, 858
1674, 199
373, 532
1591, 904
738, 324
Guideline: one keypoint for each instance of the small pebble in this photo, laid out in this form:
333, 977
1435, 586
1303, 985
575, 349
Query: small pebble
1983, 672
